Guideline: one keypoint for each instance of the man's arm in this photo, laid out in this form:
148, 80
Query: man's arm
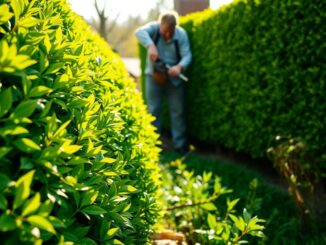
185, 51
144, 37
185, 54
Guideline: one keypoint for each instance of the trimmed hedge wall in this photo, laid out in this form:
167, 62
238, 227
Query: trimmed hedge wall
258, 72
78, 161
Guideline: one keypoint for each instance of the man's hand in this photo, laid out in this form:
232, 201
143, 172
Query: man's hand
175, 70
152, 51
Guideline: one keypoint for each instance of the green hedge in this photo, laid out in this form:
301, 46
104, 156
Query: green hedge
258, 71
78, 161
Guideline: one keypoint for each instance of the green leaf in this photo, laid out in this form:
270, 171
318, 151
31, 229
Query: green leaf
113, 190
81, 231
211, 220
7, 222
88, 198
26, 145
246, 215
209, 206
3, 202
23, 188
32, 205
257, 234
51, 126
39, 91
231, 204
77, 160
5, 101
4, 151
253, 226
26, 83
57, 223
41, 223
61, 128
238, 222
95, 210
53, 68
104, 228
47, 108
24, 109
4, 181
87, 241
46, 208
26, 163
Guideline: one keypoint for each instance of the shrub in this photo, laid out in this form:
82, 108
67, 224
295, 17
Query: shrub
77, 149
257, 72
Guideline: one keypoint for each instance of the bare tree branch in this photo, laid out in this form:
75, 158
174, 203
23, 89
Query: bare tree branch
102, 20
113, 23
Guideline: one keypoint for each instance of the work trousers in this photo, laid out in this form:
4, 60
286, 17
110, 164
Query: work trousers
175, 97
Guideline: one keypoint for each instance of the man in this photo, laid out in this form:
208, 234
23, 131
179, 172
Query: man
167, 42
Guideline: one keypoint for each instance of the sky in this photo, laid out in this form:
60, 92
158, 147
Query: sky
125, 8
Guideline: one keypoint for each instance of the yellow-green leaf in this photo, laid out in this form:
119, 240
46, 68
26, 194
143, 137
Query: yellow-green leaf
71, 180
22, 61
112, 232
70, 149
130, 188
209, 206
117, 242
18, 7
26, 145
32, 204
39, 91
28, 22
41, 223
108, 160
5, 14
62, 128
13, 130
23, 188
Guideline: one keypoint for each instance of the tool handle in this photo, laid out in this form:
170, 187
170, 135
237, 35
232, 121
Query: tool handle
183, 77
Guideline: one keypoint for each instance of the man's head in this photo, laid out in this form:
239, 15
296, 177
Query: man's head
168, 21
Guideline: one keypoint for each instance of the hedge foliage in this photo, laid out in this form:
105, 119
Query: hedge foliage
258, 71
78, 161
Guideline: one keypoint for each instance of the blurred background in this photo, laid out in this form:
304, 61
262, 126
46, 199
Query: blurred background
117, 20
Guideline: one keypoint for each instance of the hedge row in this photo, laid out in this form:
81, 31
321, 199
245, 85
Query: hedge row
258, 72
78, 161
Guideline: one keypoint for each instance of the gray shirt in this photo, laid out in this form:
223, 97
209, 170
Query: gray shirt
166, 50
